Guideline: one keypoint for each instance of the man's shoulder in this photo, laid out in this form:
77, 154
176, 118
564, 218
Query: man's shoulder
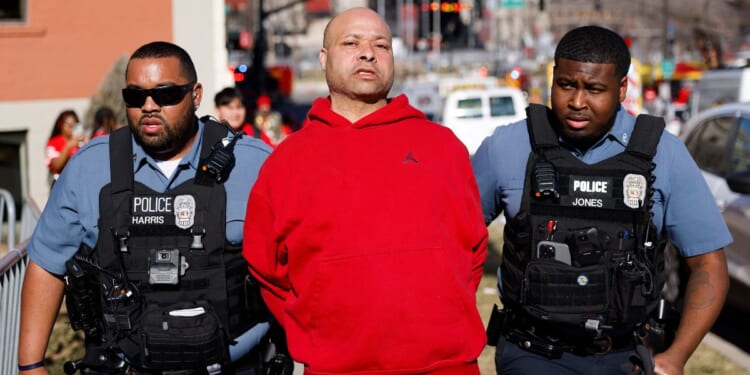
513, 136
253, 143
252, 146
670, 146
95, 150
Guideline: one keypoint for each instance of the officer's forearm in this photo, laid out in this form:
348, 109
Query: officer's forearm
40, 302
706, 290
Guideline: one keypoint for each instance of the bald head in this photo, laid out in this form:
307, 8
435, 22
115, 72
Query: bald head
336, 23
357, 57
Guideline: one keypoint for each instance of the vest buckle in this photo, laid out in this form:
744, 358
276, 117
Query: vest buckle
197, 239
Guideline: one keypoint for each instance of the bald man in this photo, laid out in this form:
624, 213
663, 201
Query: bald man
367, 233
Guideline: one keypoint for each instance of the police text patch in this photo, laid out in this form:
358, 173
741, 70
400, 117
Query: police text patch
176, 210
589, 191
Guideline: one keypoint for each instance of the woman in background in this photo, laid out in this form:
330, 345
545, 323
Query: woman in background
63, 142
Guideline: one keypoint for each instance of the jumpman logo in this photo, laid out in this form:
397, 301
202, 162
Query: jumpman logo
409, 158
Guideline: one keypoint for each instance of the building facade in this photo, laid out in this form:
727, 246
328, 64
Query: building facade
55, 54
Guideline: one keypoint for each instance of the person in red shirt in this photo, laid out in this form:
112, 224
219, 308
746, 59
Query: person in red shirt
231, 108
63, 142
365, 229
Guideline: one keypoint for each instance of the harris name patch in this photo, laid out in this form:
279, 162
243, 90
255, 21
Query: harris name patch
178, 210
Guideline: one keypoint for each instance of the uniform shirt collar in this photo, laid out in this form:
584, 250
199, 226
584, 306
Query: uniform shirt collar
191, 159
623, 127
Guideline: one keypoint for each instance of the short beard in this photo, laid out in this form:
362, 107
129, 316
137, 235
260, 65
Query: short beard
580, 141
172, 141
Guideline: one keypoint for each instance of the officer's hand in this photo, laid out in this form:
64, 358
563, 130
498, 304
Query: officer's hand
666, 365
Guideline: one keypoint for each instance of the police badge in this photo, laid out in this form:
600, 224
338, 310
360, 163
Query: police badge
184, 211
634, 190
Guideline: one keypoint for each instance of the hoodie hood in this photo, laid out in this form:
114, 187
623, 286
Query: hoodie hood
397, 109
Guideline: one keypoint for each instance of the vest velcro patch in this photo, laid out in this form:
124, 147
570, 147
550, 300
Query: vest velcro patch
177, 210
588, 191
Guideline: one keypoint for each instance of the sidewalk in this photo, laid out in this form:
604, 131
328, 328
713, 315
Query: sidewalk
733, 353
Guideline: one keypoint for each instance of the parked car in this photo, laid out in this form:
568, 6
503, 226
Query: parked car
719, 141
474, 114
720, 86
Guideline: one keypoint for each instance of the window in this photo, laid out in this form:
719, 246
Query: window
708, 144
469, 108
740, 160
13, 166
471, 103
502, 106
12, 10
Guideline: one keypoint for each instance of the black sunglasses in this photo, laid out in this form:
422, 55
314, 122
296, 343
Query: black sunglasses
166, 95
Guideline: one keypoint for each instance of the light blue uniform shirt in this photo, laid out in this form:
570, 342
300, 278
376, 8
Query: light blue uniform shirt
683, 204
72, 211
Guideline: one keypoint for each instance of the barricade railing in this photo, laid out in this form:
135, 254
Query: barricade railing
8, 205
12, 271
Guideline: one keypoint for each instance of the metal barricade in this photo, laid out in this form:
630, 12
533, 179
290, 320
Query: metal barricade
7, 203
12, 271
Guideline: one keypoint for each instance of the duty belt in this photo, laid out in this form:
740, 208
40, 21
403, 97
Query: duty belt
555, 346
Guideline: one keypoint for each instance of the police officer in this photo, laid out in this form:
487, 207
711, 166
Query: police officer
590, 198
144, 231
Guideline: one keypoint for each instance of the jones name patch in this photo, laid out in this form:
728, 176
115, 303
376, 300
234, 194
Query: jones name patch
588, 191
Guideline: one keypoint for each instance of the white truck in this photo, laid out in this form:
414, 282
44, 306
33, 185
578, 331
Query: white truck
474, 114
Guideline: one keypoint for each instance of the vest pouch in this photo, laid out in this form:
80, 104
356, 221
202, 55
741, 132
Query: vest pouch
629, 304
517, 240
558, 292
516, 252
121, 317
182, 337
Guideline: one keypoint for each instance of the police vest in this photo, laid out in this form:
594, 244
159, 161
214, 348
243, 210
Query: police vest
583, 253
173, 293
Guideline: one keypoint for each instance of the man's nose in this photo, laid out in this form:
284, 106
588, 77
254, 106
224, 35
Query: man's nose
150, 105
578, 100
366, 53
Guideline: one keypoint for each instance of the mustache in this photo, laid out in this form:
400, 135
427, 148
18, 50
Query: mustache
151, 116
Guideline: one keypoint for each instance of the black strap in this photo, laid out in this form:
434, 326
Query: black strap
646, 136
212, 134
541, 133
121, 159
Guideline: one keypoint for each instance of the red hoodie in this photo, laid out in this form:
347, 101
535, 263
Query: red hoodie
368, 240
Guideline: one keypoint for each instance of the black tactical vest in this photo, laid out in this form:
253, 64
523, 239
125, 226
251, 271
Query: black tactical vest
173, 293
583, 253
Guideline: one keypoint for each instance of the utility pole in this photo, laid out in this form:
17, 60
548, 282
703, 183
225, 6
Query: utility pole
437, 34
258, 79
259, 76
667, 32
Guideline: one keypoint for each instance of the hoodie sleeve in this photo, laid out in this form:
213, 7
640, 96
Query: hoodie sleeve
477, 228
480, 255
263, 251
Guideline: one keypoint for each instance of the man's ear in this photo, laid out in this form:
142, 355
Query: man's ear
197, 94
623, 88
322, 58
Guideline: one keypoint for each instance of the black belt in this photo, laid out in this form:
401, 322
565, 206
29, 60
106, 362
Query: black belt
554, 346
